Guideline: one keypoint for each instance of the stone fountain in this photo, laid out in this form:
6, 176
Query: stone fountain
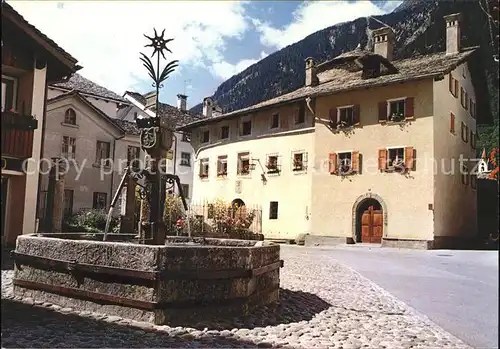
151, 277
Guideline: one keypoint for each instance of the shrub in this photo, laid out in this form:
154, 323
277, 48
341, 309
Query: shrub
232, 221
173, 210
91, 220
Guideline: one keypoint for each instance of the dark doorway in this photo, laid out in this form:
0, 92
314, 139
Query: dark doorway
237, 206
369, 222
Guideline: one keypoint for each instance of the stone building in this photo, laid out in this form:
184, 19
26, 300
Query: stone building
30, 60
368, 150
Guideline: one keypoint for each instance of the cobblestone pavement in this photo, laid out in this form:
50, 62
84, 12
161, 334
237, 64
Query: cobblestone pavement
323, 305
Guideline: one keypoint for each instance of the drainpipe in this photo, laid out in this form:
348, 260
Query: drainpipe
113, 172
175, 151
38, 194
308, 102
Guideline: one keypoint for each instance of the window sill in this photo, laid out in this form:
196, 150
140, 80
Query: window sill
70, 125
273, 172
222, 177
245, 136
184, 165
204, 179
299, 172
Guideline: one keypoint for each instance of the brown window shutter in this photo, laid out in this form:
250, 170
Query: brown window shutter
332, 163
409, 108
355, 114
382, 159
355, 161
472, 140
465, 132
462, 93
466, 101
472, 109
456, 89
452, 123
450, 83
382, 111
333, 117
409, 158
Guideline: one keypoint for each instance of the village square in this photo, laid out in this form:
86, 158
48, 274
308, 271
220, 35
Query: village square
339, 192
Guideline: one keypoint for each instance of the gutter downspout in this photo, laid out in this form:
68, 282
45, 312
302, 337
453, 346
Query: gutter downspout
38, 194
308, 102
113, 173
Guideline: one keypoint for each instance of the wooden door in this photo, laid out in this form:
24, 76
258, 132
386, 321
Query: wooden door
372, 225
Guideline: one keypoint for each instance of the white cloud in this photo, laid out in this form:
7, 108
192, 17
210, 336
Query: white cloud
226, 70
106, 37
312, 16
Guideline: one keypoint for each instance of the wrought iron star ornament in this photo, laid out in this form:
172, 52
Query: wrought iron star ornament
159, 45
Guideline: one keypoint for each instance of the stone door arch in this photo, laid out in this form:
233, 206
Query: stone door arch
356, 214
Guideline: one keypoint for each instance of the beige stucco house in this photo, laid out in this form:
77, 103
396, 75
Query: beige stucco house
368, 150
30, 60
82, 127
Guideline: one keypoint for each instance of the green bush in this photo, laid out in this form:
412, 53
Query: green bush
91, 220
173, 210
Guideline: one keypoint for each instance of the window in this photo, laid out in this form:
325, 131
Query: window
396, 159
452, 123
9, 91
472, 140
133, 155
100, 201
275, 120
102, 153
68, 202
243, 163
68, 147
205, 136
246, 128
222, 166
464, 173
135, 115
224, 132
299, 161
70, 116
185, 159
204, 165
453, 86
346, 116
397, 110
344, 163
273, 164
472, 109
273, 210
300, 115
186, 137
465, 132
185, 190
464, 98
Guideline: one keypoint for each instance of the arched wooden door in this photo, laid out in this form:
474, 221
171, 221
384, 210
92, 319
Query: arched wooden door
372, 222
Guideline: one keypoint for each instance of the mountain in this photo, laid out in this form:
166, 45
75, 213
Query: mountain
419, 27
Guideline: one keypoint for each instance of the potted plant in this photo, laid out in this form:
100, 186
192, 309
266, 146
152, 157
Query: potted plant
298, 164
397, 117
272, 166
342, 124
203, 175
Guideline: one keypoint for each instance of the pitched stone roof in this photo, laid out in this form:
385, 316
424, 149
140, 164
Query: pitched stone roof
341, 80
175, 116
81, 84
130, 127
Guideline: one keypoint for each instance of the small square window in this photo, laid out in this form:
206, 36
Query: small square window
275, 120
273, 210
396, 158
346, 117
205, 136
224, 132
186, 137
299, 161
100, 201
300, 115
345, 162
204, 167
397, 110
246, 128
222, 166
273, 164
244, 167
185, 159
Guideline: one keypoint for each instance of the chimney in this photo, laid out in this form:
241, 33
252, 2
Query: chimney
452, 33
150, 100
182, 102
207, 107
384, 42
311, 77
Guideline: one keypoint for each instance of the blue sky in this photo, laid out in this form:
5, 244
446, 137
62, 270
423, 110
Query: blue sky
213, 40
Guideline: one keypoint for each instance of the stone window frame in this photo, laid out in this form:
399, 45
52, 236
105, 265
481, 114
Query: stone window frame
221, 159
185, 160
295, 169
228, 132
204, 172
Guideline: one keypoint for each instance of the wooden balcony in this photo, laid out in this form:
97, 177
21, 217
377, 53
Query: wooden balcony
17, 135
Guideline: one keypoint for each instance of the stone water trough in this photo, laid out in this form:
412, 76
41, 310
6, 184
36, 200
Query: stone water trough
187, 279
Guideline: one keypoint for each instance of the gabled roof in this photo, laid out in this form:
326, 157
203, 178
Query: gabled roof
176, 116
81, 84
54, 50
130, 127
99, 112
341, 80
